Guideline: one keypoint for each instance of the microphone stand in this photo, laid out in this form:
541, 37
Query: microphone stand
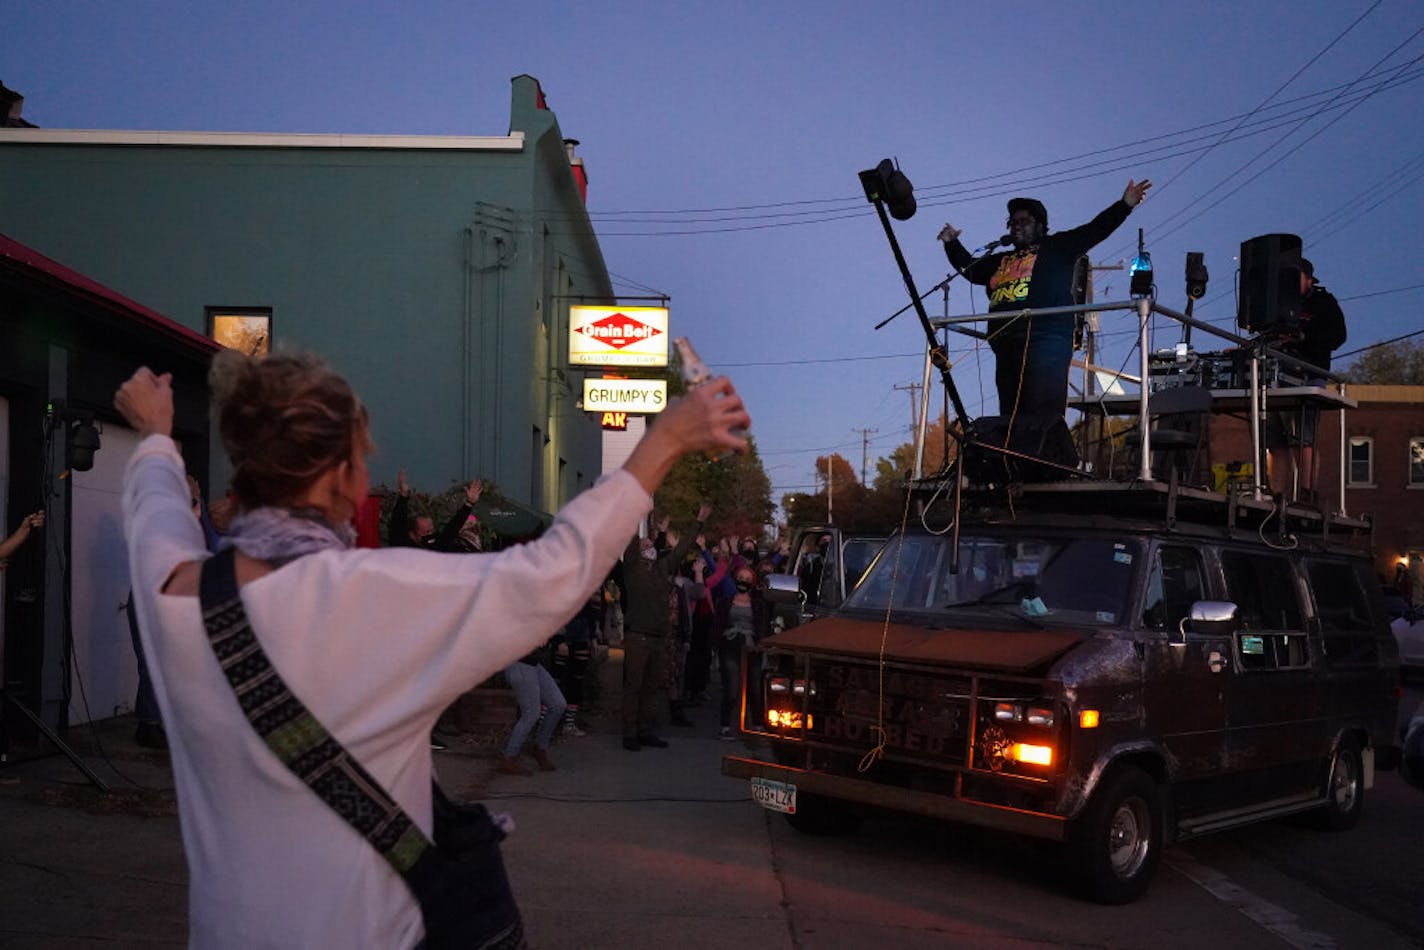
944, 285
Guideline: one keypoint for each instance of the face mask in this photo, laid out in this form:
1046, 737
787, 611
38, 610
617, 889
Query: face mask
650, 554
744, 586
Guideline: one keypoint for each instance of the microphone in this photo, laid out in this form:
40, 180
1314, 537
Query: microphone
997, 242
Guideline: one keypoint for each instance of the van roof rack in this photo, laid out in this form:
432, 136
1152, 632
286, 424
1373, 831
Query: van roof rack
1152, 505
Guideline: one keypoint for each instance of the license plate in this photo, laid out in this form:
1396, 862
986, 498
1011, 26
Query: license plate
773, 795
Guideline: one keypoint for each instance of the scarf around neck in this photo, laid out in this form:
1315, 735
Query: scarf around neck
279, 535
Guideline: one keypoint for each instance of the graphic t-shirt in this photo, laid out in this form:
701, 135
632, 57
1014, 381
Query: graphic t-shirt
1009, 285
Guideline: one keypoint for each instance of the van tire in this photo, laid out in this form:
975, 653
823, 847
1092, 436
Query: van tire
1344, 789
823, 817
1116, 844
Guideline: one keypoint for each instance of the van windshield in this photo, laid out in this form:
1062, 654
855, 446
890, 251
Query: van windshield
1043, 579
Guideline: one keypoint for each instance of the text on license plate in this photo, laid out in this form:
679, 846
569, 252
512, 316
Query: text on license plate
777, 796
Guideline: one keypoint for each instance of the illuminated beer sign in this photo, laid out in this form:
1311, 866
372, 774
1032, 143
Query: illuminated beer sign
638, 396
618, 336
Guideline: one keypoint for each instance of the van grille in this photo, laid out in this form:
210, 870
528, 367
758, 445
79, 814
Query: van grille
925, 716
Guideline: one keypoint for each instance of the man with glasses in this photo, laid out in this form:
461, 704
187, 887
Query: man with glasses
1032, 354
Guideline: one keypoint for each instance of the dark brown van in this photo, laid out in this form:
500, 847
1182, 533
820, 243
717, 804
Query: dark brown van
1113, 667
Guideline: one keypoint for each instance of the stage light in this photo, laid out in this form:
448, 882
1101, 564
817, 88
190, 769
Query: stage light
1196, 275
1140, 282
887, 183
83, 443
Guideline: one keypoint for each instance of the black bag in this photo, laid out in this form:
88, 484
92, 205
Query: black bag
464, 893
458, 880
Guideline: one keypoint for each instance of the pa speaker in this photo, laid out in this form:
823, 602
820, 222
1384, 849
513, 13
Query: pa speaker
1044, 438
1270, 283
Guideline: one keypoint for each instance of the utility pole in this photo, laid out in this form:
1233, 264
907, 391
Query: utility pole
914, 407
865, 435
830, 493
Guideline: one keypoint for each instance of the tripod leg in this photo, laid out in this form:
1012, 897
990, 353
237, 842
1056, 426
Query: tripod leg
59, 743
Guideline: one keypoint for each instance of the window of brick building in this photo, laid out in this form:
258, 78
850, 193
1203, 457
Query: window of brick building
1416, 462
1362, 461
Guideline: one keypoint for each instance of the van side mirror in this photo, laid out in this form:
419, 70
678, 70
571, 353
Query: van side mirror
1208, 617
782, 589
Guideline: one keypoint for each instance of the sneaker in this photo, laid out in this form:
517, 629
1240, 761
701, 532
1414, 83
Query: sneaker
507, 766
438, 743
632, 745
541, 756
725, 734
571, 726
650, 741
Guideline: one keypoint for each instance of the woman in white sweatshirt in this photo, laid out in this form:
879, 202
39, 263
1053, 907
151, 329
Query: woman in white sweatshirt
376, 643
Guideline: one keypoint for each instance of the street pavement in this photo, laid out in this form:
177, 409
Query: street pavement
590, 859
655, 849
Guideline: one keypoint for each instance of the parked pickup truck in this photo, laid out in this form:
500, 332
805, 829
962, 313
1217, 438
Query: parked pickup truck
827, 563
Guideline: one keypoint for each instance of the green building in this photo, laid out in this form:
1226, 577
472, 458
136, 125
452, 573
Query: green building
434, 272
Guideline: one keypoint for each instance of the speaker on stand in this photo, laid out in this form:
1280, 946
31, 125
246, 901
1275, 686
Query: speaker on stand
1269, 297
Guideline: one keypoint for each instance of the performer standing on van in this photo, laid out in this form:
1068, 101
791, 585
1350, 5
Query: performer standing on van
1321, 332
1032, 353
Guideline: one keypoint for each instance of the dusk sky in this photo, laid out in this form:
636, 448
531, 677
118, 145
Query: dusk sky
723, 141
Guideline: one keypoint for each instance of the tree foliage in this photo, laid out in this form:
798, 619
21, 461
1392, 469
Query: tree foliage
736, 488
1399, 364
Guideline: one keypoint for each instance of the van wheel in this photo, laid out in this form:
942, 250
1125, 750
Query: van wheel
823, 816
1116, 844
1344, 789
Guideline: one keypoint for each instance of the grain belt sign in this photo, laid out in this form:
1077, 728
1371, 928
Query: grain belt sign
618, 336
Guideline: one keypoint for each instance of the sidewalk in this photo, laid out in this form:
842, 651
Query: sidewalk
614, 849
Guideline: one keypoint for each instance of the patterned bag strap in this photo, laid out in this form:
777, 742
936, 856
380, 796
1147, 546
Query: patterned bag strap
297, 738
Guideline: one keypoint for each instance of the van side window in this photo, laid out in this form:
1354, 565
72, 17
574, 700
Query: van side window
1174, 584
1264, 590
1272, 634
1346, 626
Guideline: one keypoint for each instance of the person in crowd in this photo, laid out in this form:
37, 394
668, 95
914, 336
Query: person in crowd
573, 649
1321, 331
649, 621
1032, 354
699, 645
461, 530
32, 522
270, 864
689, 592
402, 530
541, 711
612, 633
738, 633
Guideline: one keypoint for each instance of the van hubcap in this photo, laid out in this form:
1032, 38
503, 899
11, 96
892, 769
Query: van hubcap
1128, 837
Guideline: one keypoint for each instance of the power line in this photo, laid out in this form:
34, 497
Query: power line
1279, 89
1375, 346
1014, 177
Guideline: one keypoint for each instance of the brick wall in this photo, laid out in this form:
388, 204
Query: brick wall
1391, 416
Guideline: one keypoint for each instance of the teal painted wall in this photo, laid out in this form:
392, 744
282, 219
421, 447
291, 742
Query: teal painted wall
427, 277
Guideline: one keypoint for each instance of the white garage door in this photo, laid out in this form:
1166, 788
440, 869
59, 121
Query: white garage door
104, 672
